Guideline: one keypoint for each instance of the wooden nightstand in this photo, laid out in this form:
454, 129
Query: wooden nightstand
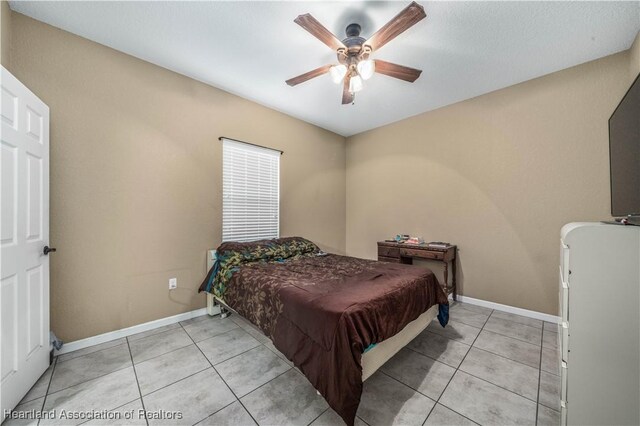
405, 253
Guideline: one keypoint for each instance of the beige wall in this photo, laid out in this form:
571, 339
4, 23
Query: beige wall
5, 33
634, 53
136, 178
498, 175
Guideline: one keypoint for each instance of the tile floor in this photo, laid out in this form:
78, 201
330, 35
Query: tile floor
486, 367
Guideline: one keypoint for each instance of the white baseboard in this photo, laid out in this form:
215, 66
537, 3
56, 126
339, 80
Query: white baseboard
510, 309
124, 332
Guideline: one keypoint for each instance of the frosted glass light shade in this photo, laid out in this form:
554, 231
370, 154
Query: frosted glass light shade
366, 68
355, 84
337, 73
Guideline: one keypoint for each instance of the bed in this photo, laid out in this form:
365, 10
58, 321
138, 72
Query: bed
337, 318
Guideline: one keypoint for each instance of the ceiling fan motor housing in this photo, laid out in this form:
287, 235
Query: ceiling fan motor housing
353, 30
353, 42
354, 51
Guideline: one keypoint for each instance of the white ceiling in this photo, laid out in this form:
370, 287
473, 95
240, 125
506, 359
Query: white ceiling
465, 49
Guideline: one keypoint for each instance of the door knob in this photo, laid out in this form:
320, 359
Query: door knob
48, 250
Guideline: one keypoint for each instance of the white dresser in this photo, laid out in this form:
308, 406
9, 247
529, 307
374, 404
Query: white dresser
600, 332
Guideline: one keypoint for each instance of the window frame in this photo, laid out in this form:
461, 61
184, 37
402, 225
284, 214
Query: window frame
259, 155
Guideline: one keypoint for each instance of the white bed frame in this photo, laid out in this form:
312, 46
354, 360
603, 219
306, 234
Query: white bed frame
373, 358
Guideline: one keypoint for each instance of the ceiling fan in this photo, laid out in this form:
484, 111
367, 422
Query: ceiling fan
355, 64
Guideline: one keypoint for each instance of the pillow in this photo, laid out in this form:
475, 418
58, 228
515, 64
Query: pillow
268, 250
231, 255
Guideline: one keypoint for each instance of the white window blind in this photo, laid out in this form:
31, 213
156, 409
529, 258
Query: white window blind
250, 192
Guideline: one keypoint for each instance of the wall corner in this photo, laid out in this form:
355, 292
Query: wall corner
5, 34
634, 56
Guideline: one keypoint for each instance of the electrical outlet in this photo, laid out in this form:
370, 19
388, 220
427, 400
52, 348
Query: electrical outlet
173, 283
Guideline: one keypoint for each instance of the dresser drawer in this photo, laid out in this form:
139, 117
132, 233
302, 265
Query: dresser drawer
388, 251
425, 254
388, 259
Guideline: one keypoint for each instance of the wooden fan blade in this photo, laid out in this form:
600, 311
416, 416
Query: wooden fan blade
399, 24
347, 96
397, 71
316, 29
308, 75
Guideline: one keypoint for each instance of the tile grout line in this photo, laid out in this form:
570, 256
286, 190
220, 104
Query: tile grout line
133, 365
403, 383
46, 394
364, 421
126, 341
113, 409
458, 367
540, 377
431, 358
426, 396
454, 373
485, 350
182, 347
498, 386
504, 357
550, 408
217, 411
222, 378
55, 363
119, 369
200, 371
174, 350
88, 380
249, 393
158, 356
511, 337
318, 416
539, 374
268, 348
519, 323
230, 358
177, 381
480, 378
94, 352
155, 330
475, 313
472, 346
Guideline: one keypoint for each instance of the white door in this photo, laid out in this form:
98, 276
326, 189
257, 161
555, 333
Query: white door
24, 232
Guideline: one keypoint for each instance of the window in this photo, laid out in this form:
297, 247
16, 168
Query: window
250, 192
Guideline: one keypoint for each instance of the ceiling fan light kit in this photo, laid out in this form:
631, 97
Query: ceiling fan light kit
366, 68
337, 73
355, 64
355, 84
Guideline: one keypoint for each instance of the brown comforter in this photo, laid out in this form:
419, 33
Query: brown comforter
322, 312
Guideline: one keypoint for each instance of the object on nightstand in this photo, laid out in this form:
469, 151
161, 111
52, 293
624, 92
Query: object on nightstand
415, 240
438, 245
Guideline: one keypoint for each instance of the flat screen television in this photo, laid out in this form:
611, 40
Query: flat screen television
624, 154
